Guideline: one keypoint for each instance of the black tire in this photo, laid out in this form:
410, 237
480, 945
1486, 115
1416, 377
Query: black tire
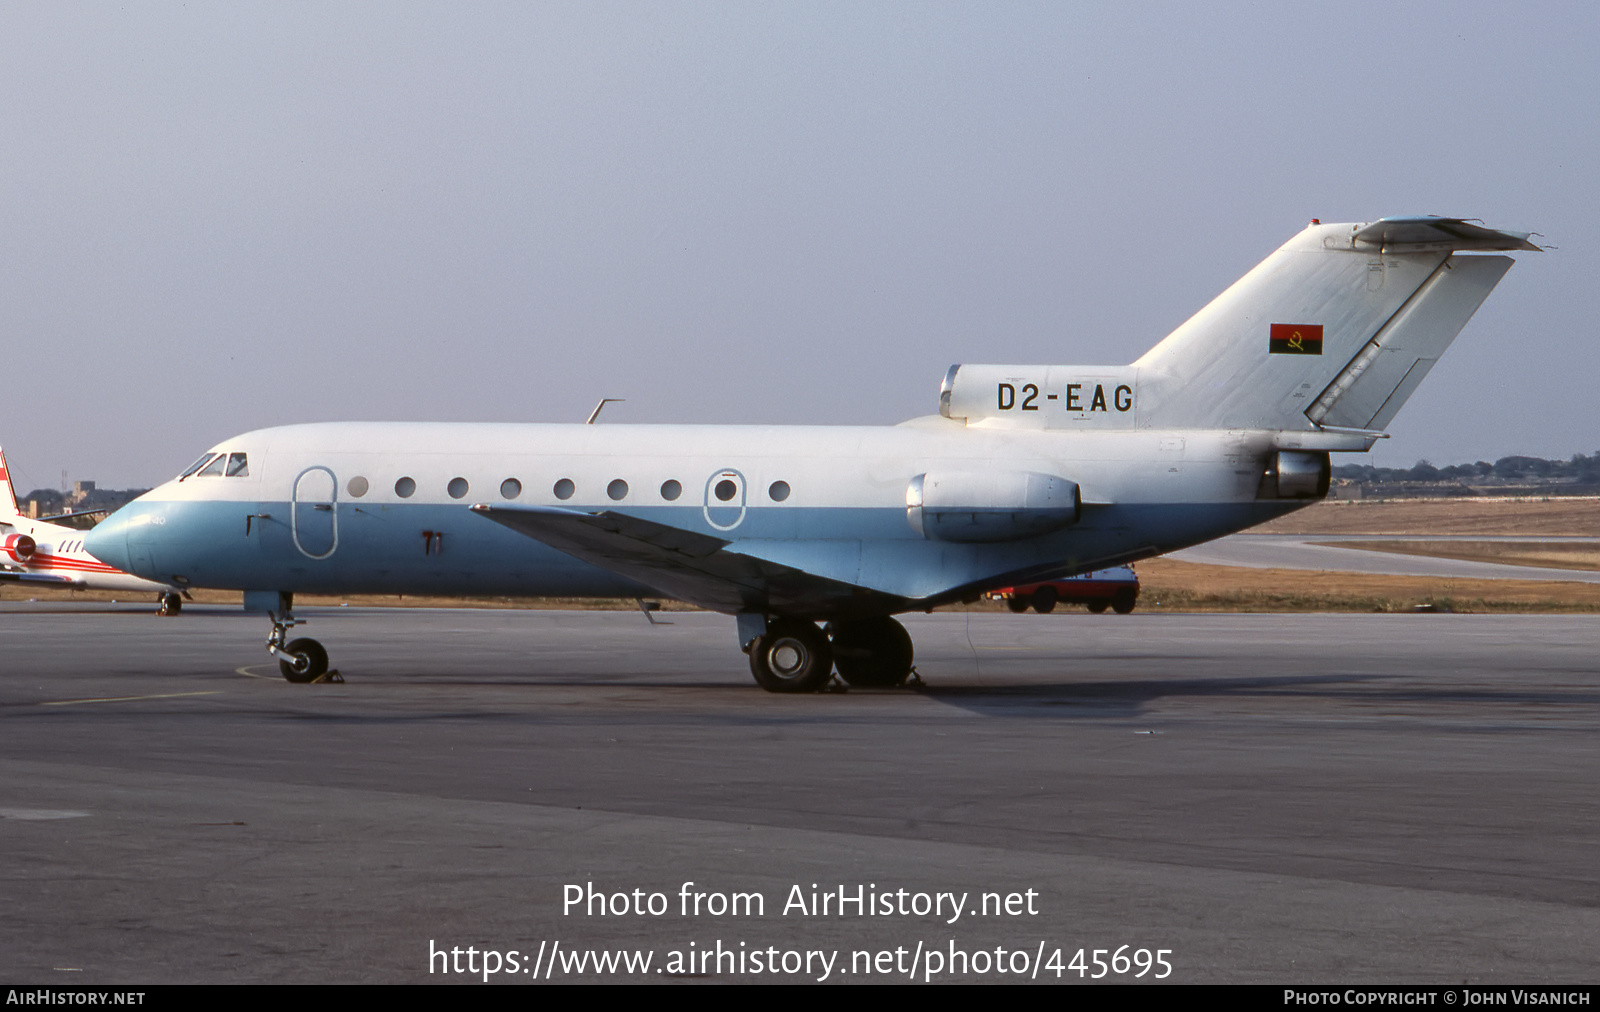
873, 653
792, 656
171, 604
1123, 601
1098, 605
1044, 599
1016, 603
311, 661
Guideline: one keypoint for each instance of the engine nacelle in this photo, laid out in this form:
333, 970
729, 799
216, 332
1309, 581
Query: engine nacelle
1296, 474
978, 506
19, 548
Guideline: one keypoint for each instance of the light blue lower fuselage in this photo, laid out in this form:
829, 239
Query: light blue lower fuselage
321, 508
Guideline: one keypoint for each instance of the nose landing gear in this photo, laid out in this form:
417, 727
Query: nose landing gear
302, 660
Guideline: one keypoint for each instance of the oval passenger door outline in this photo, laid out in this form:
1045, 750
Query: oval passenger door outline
314, 513
725, 512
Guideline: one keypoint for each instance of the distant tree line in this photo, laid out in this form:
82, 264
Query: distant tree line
1581, 469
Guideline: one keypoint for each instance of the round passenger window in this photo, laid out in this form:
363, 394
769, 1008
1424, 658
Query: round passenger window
564, 488
358, 486
617, 490
778, 491
457, 487
405, 487
510, 488
726, 490
670, 490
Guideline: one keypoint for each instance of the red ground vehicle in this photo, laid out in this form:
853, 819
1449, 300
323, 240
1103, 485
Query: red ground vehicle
1117, 589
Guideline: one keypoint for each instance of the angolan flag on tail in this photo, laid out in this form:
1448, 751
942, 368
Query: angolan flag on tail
1295, 339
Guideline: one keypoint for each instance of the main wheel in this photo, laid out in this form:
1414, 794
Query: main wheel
1044, 599
310, 661
1017, 603
1124, 601
1098, 605
793, 656
871, 652
171, 604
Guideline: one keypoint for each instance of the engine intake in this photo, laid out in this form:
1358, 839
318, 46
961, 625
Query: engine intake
20, 548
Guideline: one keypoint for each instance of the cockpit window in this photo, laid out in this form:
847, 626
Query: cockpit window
213, 469
238, 466
192, 468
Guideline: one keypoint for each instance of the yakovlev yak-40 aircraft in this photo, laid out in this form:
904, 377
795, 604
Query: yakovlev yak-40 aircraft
1027, 473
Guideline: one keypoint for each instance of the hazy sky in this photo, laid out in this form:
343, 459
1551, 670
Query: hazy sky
221, 216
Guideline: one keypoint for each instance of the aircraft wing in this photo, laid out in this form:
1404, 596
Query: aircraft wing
685, 565
22, 576
65, 517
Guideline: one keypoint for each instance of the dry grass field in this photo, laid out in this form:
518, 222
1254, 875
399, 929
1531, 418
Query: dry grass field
1179, 586
1450, 517
1169, 585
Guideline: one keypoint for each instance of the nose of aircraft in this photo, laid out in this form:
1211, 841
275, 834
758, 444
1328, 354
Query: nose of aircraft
108, 541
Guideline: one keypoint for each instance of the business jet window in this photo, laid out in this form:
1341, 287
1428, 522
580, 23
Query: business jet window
564, 488
213, 469
510, 488
778, 491
670, 490
358, 486
617, 490
238, 465
405, 488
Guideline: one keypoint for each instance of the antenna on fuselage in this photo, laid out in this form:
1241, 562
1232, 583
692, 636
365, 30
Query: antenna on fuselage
603, 402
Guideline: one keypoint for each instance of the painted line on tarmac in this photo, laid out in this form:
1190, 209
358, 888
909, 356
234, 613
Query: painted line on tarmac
128, 699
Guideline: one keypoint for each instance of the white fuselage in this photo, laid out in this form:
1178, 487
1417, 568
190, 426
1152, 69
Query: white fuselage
386, 507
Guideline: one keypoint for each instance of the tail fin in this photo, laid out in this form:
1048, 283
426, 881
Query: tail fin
1334, 330
8, 495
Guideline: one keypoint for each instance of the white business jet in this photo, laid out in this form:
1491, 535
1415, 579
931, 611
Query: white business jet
1027, 473
41, 551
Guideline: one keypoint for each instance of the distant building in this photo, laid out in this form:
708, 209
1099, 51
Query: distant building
84, 497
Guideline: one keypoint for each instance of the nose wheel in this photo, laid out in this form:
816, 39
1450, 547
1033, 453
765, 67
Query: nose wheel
300, 660
310, 661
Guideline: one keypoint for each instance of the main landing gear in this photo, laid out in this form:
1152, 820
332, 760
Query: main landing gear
169, 604
301, 660
793, 655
